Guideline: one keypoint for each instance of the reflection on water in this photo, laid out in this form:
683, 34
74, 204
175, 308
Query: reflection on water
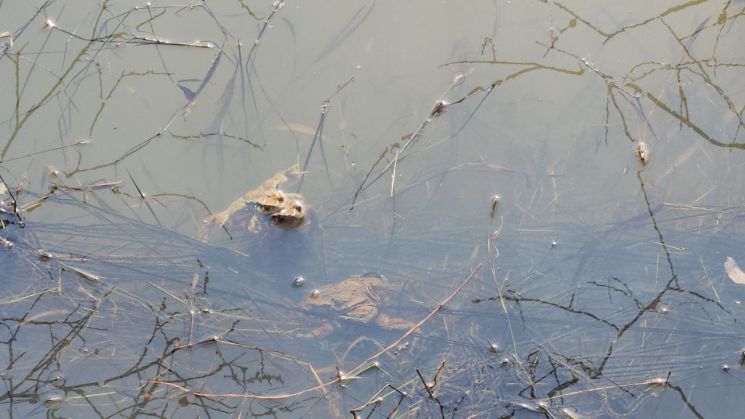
596, 286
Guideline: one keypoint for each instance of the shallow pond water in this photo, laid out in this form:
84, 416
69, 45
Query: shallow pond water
550, 190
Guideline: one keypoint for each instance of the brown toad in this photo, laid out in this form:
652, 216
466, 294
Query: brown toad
260, 210
361, 299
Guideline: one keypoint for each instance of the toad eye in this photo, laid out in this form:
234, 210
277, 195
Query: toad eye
298, 208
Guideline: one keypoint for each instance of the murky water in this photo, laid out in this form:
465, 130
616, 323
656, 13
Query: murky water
550, 190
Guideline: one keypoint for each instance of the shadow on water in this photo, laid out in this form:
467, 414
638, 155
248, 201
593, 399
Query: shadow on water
536, 214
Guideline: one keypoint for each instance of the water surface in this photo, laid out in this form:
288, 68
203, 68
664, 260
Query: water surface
494, 144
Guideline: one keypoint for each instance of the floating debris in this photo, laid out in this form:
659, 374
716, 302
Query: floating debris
495, 204
733, 271
53, 402
642, 152
298, 282
402, 347
53, 173
82, 273
569, 413
6, 45
45, 256
439, 108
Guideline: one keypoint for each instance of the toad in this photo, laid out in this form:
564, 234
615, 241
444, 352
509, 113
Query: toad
261, 215
361, 299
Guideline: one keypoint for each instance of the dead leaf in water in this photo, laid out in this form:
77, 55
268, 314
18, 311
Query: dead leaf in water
733, 271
